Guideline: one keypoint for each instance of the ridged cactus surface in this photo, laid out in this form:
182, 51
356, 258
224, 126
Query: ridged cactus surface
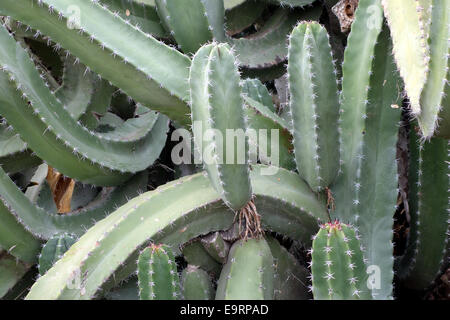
224, 149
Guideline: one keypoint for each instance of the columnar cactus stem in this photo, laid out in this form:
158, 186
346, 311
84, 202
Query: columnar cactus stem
338, 269
314, 105
432, 100
196, 284
429, 208
157, 274
249, 273
217, 105
408, 22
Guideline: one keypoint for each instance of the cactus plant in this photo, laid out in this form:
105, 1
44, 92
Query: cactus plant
97, 90
157, 274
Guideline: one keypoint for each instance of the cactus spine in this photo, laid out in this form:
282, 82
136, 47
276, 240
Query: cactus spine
157, 274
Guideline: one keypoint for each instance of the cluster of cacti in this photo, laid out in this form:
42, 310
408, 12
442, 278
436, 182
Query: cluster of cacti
290, 132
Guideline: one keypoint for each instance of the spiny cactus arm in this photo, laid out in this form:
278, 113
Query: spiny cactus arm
216, 246
365, 193
242, 16
268, 47
231, 4
248, 273
338, 269
217, 106
260, 117
195, 254
53, 250
434, 90
157, 274
192, 23
291, 278
141, 219
77, 88
257, 91
196, 284
41, 224
140, 14
197, 209
408, 30
58, 130
429, 203
11, 271
114, 49
314, 104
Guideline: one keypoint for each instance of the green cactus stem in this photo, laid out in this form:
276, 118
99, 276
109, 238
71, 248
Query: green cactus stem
11, 271
193, 23
55, 136
248, 273
118, 52
53, 250
290, 278
21, 211
216, 246
195, 254
432, 100
365, 192
314, 103
196, 284
429, 209
285, 203
217, 105
157, 274
337, 266
407, 22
